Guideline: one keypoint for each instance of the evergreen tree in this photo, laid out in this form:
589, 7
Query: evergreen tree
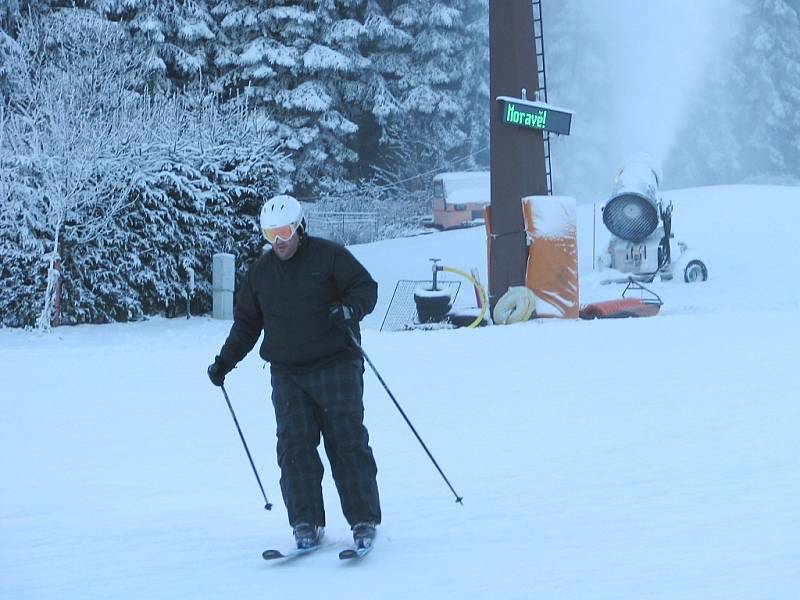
746, 118
433, 59
193, 176
23, 242
578, 76
212, 169
773, 94
70, 129
14, 12
299, 63
179, 37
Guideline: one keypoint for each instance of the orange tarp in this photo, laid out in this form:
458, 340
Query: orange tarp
552, 271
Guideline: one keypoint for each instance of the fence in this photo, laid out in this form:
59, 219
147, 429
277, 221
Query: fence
402, 312
344, 227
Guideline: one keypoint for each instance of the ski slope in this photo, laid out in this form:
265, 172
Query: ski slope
622, 459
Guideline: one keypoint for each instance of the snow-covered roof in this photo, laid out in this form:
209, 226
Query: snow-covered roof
464, 187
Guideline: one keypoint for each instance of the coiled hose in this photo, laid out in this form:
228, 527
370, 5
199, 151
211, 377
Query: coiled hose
515, 306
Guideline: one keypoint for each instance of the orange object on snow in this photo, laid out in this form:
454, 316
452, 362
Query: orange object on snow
552, 271
616, 309
646, 305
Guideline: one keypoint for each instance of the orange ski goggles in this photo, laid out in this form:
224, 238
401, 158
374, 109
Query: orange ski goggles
284, 232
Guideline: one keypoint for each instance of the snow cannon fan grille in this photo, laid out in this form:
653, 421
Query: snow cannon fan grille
631, 217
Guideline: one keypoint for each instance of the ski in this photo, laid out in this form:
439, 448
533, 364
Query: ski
280, 555
351, 553
307, 538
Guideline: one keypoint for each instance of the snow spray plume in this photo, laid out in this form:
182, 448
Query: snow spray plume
459, 499
267, 505
660, 53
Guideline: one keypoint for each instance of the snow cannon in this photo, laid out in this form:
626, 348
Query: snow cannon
640, 222
632, 214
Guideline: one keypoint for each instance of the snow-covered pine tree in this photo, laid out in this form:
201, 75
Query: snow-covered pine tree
14, 12
296, 62
747, 115
335, 64
422, 105
578, 77
772, 93
198, 191
247, 63
23, 238
211, 166
433, 101
179, 37
67, 133
376, 104
188, 181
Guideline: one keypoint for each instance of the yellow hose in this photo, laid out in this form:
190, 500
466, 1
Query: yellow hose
484, 304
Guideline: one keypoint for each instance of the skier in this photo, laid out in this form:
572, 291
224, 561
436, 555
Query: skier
305, 293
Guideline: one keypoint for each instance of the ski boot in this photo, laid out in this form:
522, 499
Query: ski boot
363, 534
307, 536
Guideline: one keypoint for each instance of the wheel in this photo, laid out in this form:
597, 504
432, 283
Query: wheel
695, 271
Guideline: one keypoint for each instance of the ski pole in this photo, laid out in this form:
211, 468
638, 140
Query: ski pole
267, 505
459, 499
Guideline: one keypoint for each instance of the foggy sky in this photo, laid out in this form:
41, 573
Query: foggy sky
660, 50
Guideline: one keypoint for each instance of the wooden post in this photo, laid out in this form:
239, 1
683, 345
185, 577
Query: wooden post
517, 154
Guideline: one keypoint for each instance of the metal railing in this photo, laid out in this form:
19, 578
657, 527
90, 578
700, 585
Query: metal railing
343, 226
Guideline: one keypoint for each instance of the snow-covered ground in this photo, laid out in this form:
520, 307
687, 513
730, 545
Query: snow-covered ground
622, 459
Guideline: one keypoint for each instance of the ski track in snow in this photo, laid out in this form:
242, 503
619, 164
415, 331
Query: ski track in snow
616, 459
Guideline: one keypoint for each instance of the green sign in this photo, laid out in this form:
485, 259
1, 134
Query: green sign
534, 115
524, 118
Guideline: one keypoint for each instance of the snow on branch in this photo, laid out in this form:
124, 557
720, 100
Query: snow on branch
406, 16
264, 50
321, 58
347, 31
422, 99
382, 29
308, 96
444, 16
278, 15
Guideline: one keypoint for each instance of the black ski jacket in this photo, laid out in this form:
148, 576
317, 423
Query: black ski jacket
289, 300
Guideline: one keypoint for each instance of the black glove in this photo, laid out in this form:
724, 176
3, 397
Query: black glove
217, 371
341, 315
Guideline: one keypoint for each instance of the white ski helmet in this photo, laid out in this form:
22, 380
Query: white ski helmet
281, 216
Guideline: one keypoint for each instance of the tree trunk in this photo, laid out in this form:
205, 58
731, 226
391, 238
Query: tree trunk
45, 319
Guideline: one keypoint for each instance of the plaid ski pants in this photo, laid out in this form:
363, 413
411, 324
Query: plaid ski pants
326, 401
